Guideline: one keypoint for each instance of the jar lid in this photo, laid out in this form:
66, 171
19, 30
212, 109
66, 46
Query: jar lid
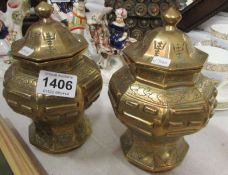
47, 39
172, 48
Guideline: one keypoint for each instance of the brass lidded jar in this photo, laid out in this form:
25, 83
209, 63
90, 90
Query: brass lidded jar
59, 124
161, 96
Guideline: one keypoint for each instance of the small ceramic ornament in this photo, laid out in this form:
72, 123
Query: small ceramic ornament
109, 39
72, 14
62, 10
100, 36
17, 19
77, 20
64, 7
13, 19
118, 30
58, 14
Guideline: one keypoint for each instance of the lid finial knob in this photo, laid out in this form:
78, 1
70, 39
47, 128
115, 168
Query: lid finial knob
44, 10
171, 17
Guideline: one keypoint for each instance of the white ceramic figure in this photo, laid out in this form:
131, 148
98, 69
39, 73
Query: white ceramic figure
63, 6
109, 39
17, 18
100, 36
77, 20
58, 15
13, 19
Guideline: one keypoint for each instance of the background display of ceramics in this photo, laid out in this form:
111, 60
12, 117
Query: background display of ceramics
116, 61
218, 19
217, 68
198, 36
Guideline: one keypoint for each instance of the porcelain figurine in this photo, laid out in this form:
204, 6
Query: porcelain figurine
118, 30
100, 36
77, 21
182, 4
62, 10
13, 19
58, 14
4, 46
71, 14
17, 19
109, 39
65, 7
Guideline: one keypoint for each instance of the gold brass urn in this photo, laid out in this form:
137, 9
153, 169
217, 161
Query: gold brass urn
58, 124
161, 96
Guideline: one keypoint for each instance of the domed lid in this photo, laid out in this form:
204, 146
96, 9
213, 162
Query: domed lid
166, 48
47, 39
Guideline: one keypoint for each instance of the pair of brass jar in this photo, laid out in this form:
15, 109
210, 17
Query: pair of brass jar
158, 103
58, 124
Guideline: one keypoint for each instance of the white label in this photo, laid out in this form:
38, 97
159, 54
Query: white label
56, 84
26, 51
161, 61
53, 1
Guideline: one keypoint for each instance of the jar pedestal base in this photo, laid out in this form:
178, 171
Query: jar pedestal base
154, 154
59, 139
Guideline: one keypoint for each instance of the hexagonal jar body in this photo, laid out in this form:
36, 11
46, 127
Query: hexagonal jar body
58, 124
158, 103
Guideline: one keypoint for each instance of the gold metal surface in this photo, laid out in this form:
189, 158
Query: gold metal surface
49, 39
58, 124
159, 104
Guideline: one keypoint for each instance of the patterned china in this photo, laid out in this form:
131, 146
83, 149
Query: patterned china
217, 68
219, 35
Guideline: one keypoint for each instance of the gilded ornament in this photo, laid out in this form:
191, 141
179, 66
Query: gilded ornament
161, 96
59, 124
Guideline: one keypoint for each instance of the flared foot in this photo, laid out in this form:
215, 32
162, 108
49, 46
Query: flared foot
153, 154
59, 139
